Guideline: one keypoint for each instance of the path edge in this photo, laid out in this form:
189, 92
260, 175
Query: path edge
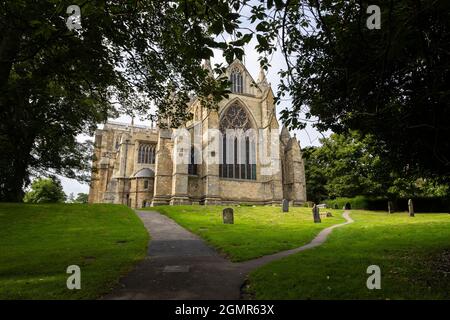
286, 253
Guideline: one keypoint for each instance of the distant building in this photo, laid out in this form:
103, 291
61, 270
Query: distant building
138, 165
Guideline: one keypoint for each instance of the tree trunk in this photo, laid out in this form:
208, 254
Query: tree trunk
16, 145
9, 48
15, 175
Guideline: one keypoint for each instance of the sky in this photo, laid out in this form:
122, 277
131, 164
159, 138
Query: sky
307, 137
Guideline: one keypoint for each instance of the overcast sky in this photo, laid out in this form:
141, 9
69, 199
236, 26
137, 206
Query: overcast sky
307, 137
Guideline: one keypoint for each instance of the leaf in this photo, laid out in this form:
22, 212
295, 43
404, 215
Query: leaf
279, 4
34, 23
244, 40
262, 26
262, 40
216, 27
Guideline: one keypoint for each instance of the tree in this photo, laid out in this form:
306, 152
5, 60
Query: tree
405, 187
82, 198
71, 198
316, 179
391, 83
45, 190
345, 166
56, 83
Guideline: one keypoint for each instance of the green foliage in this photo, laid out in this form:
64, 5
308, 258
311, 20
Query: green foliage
45, 190
349, 165
316, 179
82, 198
404, 187
358, 202
39, 242
398, 203
56, 84
344, 166
392, 83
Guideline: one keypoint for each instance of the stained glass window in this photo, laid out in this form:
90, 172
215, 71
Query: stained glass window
235, 117
237, 84
147, 153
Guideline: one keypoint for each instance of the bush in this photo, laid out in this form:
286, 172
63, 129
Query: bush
434, 204
45, 190
358, 202
431, 204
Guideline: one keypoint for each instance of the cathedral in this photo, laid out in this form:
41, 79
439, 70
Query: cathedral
235, 155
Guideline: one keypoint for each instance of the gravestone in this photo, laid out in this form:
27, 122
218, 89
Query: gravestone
390, 207
316, 214
228, 216
410, 208
329, 215
285, 204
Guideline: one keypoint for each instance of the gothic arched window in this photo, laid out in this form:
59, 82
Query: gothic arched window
237, 85
235, 117
238, 145
146, 153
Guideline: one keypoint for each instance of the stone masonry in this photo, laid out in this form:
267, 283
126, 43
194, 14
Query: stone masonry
136, 165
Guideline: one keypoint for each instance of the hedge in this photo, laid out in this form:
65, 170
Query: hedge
400, 204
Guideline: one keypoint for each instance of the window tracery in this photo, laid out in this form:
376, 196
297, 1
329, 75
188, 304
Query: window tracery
238, 147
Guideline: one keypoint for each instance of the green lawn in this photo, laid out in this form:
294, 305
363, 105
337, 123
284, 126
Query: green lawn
413, 254
256, 231
39, 242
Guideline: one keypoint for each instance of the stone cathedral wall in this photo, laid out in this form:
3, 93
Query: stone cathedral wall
116, 178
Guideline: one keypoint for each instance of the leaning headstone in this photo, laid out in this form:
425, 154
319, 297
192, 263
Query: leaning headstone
228, 216
410, 208
316, 214
285, 205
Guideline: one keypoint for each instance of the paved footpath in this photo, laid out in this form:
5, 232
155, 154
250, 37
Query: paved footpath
179, 265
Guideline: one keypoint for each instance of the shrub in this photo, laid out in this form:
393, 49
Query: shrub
421, 204
45, 190
358, 202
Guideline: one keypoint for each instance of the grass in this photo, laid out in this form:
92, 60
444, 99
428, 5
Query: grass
413, 254
39, 242
256, 231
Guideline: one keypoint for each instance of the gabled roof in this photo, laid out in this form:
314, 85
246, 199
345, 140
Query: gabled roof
238, 63
261, 83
